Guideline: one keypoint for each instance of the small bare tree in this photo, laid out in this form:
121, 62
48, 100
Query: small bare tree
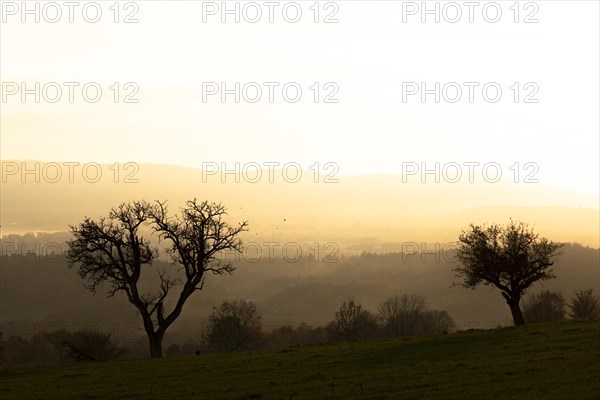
546, 306
233, 326
437, 321
401, 315
352, 322
112, 251
584, 305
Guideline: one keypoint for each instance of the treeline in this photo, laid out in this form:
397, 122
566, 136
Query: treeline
46, 290
236, 325
551, 306
58, 347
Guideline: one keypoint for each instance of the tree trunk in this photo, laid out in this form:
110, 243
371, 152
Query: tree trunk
515, 309
155, 344
154, 337
517, 315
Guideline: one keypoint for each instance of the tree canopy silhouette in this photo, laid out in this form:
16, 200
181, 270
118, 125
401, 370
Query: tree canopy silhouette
510, 258
113, 251
584, 305
352, 322
234, 326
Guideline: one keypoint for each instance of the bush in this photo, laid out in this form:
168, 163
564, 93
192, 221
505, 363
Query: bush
173, 350
546, 306
584, 305
35, 351
436, 321
402, 315
59, 347
85, 345
409, 315
292, 335
352, 322
234, 326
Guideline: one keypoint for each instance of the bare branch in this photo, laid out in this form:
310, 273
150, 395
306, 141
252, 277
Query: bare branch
112, 251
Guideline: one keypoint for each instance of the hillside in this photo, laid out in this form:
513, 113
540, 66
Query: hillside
557, 361
38, 292
361, 211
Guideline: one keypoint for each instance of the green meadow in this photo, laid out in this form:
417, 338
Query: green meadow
547, 361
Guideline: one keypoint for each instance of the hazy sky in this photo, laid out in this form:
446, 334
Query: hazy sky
370, 55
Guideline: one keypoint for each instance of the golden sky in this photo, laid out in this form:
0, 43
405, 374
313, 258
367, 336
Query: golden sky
368, 57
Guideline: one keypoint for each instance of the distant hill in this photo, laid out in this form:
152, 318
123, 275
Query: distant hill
360, 211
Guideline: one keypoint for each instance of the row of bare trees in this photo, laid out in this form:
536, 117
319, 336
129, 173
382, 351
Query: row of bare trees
398, 316
551, 306
235, 325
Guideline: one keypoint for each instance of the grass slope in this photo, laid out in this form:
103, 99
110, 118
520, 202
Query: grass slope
551, 361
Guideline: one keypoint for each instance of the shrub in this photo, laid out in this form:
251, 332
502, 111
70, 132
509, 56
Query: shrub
584, 305
233, 326
352, 322
546, 306
402, 315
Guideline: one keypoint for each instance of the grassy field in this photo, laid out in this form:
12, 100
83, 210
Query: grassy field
552, 361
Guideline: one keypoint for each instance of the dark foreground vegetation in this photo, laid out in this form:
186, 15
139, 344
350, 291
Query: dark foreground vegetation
537, 361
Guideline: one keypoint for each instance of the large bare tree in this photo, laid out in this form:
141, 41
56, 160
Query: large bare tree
510, 258
112, 251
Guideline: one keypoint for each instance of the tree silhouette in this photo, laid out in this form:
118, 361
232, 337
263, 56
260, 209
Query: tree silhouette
401, 315
234, 326
510, 258
352, 322
112, 251
584, 305
409, 315
546, 306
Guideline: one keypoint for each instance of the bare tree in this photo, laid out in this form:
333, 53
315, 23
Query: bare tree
436, 321
352, 322
112, 251
584, 305
545, 306
233, 326
510, 258
409, 315
400, 315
